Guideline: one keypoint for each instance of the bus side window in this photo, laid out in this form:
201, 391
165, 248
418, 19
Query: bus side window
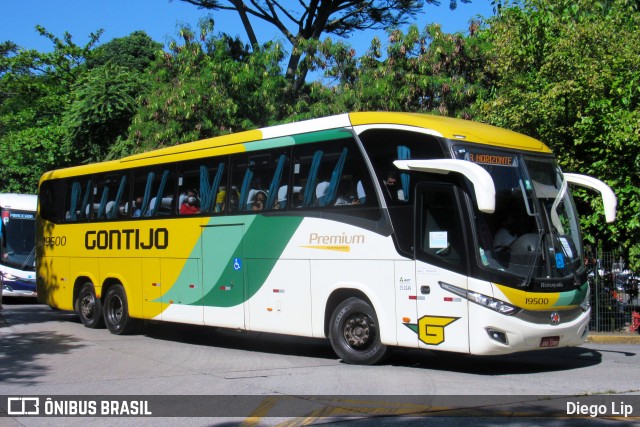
80, 196
331, 174
52, 206
306, 176
152, 192
259, 181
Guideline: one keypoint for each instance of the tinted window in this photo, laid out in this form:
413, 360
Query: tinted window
51, 200
153, 192
259, 181
384, 146
330, 175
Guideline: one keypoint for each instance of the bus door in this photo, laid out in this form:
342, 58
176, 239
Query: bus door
223, 270
441, 262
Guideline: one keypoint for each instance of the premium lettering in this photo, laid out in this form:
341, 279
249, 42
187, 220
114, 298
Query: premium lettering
155, 238
336, 239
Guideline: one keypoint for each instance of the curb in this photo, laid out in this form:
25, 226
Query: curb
619, 338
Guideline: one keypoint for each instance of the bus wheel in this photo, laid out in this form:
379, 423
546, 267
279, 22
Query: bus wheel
354, 333
116, 311
89, 307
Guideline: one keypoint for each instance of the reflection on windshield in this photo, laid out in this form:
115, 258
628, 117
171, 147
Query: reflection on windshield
18, 240
534, 229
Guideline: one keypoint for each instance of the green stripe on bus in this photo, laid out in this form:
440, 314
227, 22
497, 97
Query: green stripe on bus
574, 297
304, 138
265, 239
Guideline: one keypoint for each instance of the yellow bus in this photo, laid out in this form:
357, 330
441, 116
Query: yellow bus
371, 229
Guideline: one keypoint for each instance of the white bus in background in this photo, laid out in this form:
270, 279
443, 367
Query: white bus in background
17, 245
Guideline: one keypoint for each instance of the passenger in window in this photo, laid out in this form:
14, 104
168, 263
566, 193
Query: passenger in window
393, 189
506, 234
191, 204
222, 194
297, 199
259, 200
345, 195
234, 200
123, 209
137, 207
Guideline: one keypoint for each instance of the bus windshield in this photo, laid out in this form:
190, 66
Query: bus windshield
534, 231
18, 239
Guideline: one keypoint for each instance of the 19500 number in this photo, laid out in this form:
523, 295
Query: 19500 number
536, 301
55, 241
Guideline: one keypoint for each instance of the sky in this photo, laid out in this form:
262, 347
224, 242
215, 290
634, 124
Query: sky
160, 19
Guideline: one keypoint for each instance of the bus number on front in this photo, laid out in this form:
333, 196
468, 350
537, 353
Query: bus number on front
536, 301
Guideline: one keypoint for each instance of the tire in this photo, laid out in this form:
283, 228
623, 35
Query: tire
354, 333
116, 311
89, 307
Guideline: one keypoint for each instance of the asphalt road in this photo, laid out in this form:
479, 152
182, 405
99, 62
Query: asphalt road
50, 353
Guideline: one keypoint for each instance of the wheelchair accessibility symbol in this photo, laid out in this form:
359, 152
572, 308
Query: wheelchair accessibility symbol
237, 264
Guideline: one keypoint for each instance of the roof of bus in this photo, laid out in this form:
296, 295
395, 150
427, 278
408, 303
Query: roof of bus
23, 202
448, 127
464, 130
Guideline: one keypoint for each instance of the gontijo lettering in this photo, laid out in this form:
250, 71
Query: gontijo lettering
156, 238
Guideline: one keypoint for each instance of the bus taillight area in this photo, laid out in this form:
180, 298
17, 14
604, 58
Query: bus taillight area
492, 333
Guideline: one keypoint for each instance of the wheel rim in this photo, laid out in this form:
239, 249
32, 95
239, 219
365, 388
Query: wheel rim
359, 331
115, 310
88, 305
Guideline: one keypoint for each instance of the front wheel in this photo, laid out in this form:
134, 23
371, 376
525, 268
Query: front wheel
116, 311
354, 333
89, 307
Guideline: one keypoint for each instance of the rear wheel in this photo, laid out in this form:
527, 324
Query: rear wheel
89, 307
354, 333
116, 311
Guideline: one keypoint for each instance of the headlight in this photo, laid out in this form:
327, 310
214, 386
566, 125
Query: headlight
492, 303
483, 300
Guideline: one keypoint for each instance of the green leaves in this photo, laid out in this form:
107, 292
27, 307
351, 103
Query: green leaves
103, 102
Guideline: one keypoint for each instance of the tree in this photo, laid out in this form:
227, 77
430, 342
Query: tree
104, 97
103, 102
567, 72
206, 86
314, 18
34, 92
420, 71
135, 52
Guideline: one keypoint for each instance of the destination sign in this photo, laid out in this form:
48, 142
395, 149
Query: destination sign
488, 158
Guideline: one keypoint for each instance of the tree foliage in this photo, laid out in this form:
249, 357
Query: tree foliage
429, 71
310, 20
207, 86
34, 93
102, 105
567, 72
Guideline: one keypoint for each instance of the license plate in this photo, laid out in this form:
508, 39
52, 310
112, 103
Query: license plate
550, 342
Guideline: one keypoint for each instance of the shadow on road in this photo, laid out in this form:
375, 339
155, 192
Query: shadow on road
529, 362
519, 363
20, 353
